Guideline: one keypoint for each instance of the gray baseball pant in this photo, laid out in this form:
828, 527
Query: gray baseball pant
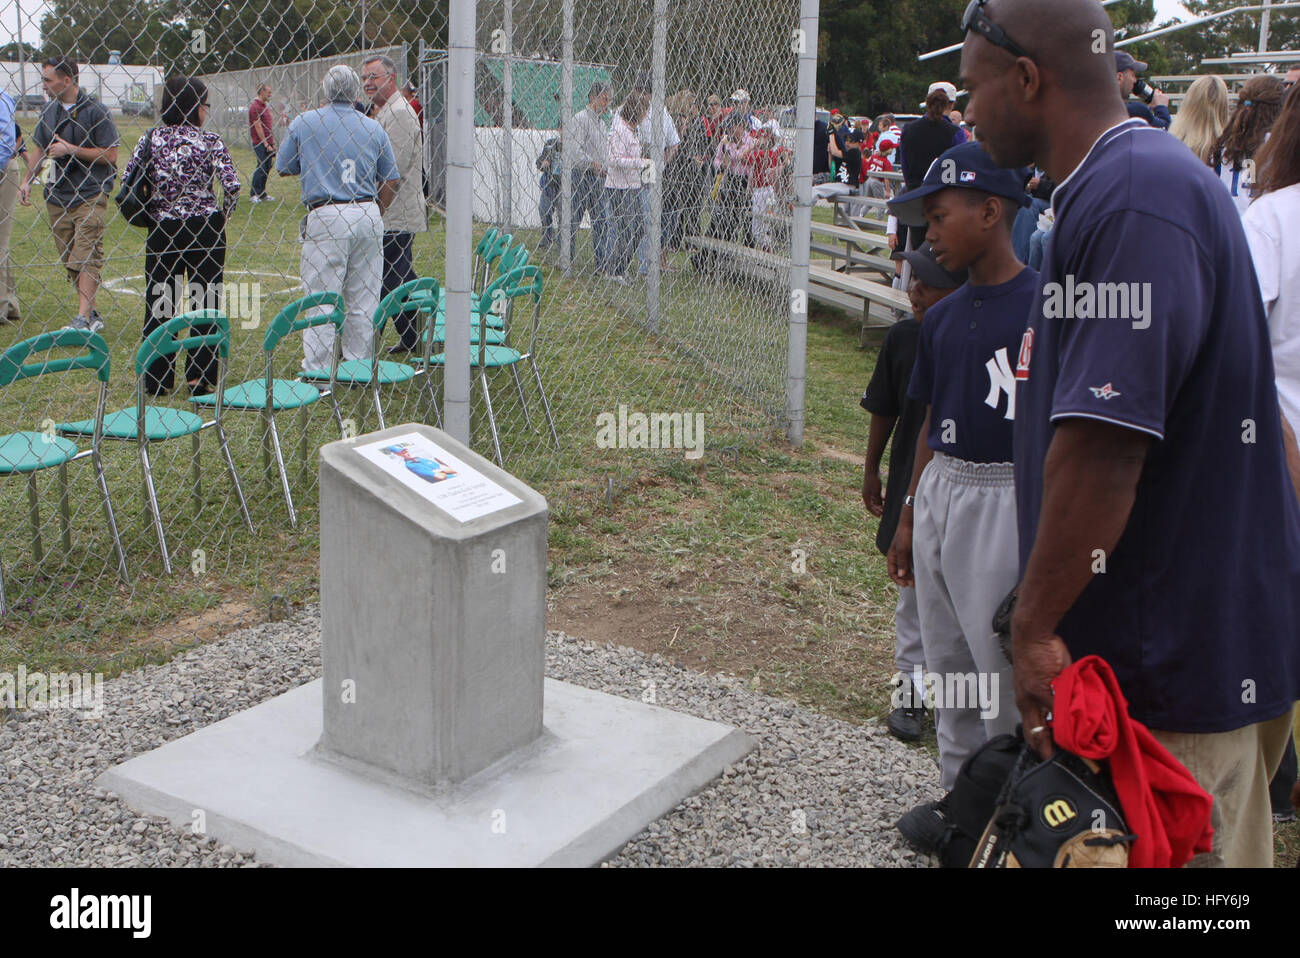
965, 558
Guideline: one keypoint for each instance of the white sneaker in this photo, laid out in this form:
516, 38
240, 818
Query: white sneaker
255, 200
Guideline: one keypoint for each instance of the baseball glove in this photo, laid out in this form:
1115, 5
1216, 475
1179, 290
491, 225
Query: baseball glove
1061, 813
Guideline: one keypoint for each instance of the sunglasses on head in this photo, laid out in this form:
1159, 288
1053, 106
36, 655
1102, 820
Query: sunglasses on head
976, 19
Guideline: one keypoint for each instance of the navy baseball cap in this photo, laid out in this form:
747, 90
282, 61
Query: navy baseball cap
966, 167
1124, 61
927, 269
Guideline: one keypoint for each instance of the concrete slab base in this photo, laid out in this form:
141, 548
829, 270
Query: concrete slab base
603, 769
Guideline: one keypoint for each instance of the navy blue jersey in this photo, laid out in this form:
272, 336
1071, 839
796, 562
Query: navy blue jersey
965, 367
1198, 609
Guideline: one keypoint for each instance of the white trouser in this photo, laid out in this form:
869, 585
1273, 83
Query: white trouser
908, 651
342, 252
966, 559
9, 183
762, 204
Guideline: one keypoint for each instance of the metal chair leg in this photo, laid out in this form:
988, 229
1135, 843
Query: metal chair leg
234, 476
546, 405
65, 513
492, 420
379, 407
267, 421
35, 513
304, 444
284, 474
523, 401
152, 498
197, 467
102, 481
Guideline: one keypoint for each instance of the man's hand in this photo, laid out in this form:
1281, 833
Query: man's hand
892, 238
1033, 183
1161, 98
1037, 661
872, 495
60, 147
900, 551
25, 191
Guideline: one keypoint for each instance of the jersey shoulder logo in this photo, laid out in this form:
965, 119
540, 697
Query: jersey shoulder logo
1026, 350
1104, 392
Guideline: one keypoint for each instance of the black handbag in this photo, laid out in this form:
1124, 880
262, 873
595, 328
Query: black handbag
133, 197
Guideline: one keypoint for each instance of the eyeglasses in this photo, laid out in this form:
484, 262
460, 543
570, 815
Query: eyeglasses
375, 76
976, 19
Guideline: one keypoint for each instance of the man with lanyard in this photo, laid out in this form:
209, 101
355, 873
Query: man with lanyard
78, 134
349, 177
1131, 420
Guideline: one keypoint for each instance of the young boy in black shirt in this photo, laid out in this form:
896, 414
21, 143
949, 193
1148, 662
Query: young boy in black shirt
892, 413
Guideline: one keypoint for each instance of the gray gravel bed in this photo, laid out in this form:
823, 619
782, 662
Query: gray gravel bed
817, 791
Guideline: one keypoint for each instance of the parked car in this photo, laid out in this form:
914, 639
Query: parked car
32, 101
137, 108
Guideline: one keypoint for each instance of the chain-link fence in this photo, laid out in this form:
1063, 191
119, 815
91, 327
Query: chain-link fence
647, 134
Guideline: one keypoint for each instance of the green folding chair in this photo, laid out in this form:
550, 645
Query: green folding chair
417, 296
519, 284
485, 243
27, 453
145, 424
270, 395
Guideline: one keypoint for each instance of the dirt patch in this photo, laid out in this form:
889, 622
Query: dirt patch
205, 626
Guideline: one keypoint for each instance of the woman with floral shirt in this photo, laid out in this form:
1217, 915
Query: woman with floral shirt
185, 250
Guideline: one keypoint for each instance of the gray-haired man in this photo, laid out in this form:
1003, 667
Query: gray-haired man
408, 214
349, 177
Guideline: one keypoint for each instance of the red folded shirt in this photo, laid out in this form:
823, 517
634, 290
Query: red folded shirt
1163, 804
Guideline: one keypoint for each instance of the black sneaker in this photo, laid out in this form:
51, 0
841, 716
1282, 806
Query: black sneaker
907, 724
925, 826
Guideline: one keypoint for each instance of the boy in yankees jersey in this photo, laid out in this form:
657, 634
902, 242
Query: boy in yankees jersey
956, 537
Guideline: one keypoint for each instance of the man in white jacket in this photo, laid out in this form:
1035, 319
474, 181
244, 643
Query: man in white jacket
407, 215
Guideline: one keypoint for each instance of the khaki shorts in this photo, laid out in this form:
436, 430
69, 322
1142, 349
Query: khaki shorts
79, 232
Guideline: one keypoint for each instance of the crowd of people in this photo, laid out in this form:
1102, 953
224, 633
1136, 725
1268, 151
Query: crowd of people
361, 165
1105, 341
729, 162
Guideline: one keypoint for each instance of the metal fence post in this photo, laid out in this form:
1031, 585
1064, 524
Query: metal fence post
460, 214
508, 114
658, 137
804, 43
566, 155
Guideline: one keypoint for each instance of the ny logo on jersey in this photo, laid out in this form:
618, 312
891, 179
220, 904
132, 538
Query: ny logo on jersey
1001, 380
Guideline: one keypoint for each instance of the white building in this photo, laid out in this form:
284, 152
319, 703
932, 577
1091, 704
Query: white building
113, 84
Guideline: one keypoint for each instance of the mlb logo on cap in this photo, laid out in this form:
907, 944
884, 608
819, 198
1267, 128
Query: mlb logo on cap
966, 167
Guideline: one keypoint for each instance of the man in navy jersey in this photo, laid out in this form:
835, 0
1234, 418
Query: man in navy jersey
958, 525
1159, 528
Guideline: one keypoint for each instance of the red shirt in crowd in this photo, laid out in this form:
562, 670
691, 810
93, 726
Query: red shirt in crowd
765, 166
878, 163
259, 123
